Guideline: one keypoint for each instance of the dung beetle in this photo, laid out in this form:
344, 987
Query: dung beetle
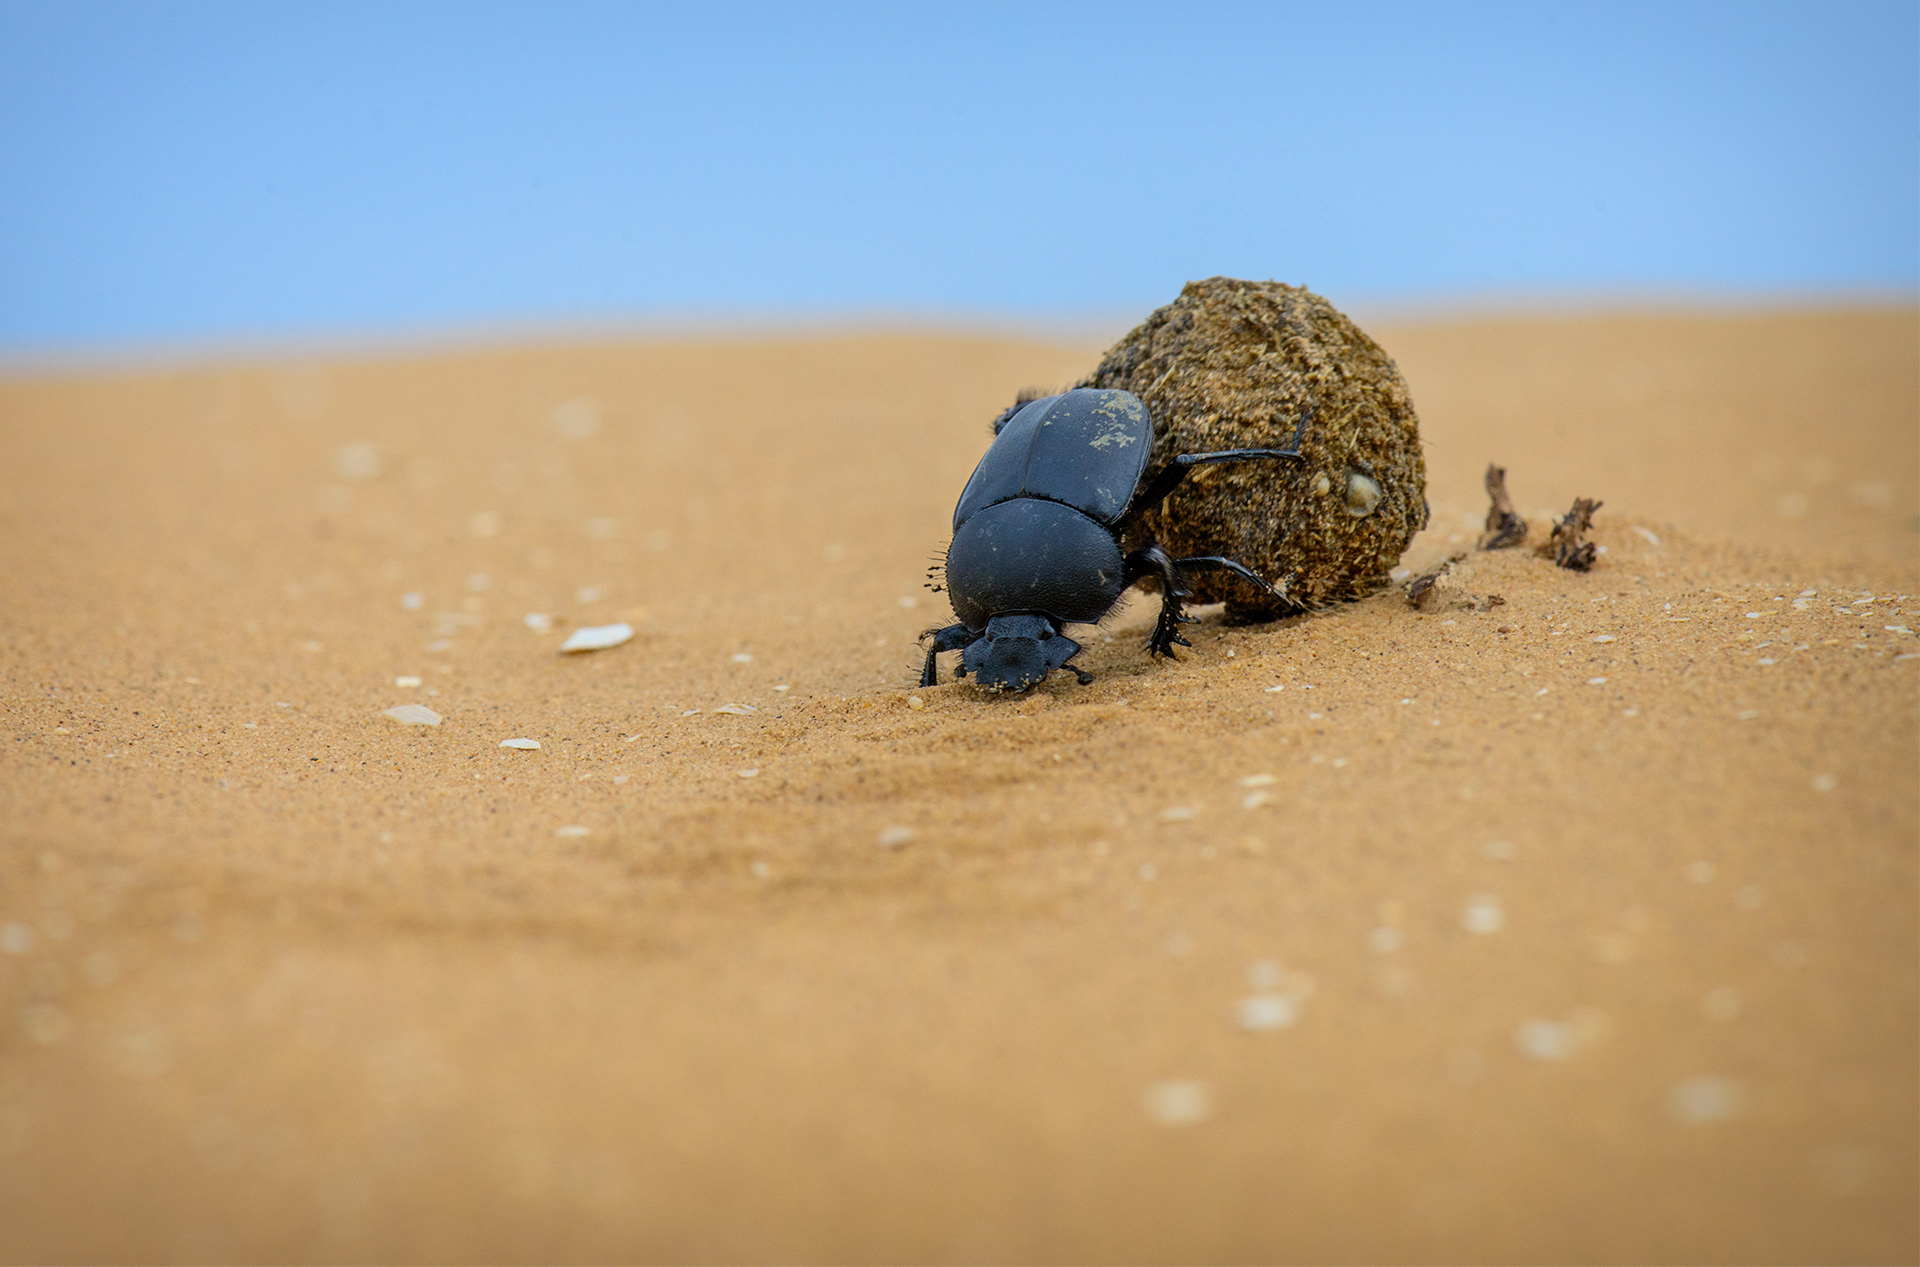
1041, 533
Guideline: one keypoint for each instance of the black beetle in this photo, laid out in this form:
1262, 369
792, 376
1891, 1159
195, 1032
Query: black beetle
1039, 537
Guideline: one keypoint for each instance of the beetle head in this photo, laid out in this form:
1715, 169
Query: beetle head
1017, 652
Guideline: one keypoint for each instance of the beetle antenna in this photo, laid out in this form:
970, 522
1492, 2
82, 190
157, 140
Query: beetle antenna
1024, 397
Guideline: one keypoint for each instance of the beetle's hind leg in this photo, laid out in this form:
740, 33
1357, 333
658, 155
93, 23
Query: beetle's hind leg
952, 638
1154, 562
1221, 564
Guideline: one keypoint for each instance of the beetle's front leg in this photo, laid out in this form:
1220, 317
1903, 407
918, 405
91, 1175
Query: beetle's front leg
952, 638
1154, 562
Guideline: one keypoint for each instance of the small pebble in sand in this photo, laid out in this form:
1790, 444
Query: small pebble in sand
1546, 1040
1179, 814
1698, 1101
1596, 681
16, 938
525, 745
1275, 689
741, 657
406, 681
1721, 1004
913, 701
413, 602
761, 871
572, 831
895, 836
1258, 780
1825, 783
1483, 914
1254, 800
736, 710
782, 687
597, 637
749, 774
1699, 872
1263, 1013
1605, 638
539, 622
413, 715
621, 778
1178, 1102
1386, 940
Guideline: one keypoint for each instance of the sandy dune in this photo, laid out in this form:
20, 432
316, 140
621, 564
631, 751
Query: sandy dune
1581, 928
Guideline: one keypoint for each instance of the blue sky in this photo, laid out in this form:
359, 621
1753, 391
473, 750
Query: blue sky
192, 171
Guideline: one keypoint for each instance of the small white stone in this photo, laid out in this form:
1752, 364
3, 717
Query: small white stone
1179, 814
1483, 914
572, 831
1258, 780
1274, 689
782, 687
1605, 638
913, 701
761, 870
1698, 1101
539, 622
413, 715
525, 745
1254, 800
741, 657
1178, 1102
358, 461
1261, 1013
413, 602
895, 836
576, 419
737, 710
406, 681
597, 637
749, 774
1596, 681
1545, 1040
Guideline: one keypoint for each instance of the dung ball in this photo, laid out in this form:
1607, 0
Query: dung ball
1238, 365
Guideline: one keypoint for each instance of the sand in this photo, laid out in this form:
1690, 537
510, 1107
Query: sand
1579, 928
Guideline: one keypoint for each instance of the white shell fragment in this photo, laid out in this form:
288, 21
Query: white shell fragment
1263, 1013
597, 637
1178, 1102
737, 710
572, 832
413, 715
528, 745
1363, 494
895, 836
539, 622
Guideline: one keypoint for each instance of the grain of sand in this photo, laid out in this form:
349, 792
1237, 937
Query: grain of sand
1581, 927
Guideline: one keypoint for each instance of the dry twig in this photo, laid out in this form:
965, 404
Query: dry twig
1568, 547
1505, 527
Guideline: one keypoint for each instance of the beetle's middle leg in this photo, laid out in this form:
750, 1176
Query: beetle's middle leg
1152, 561
952, 638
